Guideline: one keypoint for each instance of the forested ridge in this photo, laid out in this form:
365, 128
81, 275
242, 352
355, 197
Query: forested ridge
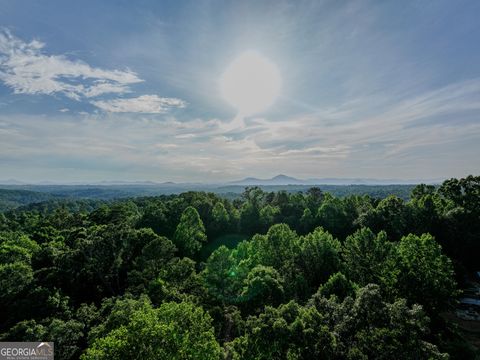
307, 275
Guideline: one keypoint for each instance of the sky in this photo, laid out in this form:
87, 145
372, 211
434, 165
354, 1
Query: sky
129, 90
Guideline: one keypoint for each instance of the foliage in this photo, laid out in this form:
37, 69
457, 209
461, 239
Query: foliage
425, 275
319, 256
172, 331
288, 332
338, 285
190, 232
369, 258
268, 275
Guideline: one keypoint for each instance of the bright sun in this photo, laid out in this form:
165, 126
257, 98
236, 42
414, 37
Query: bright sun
251, 83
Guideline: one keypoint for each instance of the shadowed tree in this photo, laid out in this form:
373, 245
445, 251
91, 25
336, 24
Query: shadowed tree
190, 233
219, 275
221, 219
370, 258
263, 286
319, 257
426, 275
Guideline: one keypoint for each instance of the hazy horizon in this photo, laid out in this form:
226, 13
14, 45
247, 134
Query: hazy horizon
240, 181
213, 91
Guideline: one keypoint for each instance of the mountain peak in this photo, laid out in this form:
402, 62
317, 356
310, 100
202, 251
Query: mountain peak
280, 179
282, 176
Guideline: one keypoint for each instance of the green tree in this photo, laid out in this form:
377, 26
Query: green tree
116, 312
175, 331
307, 221
268, 216
250, 210
319, 256
263, 286
373, 328
370, 258
366, 326
422, 190
67, 335
459, 208
154, 216
125, 212
14, 278
154, 256
390, 215
333, 217
219, 275
221, 219
288, 332
16, 246
463, 193
338, 285
314, 198
423, 208
25, 330
190, 233
177, 280
4, 223
102, 258
277, 248
426, 275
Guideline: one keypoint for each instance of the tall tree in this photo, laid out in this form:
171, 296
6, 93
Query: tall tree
221, 219
333, 217
219, 275
426, 275
319, 256
190, 233
370, 258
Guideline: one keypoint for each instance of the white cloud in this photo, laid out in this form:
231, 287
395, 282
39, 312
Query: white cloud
151, 104
165, 146
115, 145
27, 70
371, 135
340, 151
185, 136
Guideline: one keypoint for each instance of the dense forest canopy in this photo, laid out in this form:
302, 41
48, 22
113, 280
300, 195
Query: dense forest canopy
15, 196
304, 275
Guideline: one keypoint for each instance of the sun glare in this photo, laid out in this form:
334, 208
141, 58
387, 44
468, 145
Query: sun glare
251, 83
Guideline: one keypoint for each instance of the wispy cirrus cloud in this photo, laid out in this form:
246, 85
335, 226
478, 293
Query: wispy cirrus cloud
152, 104
394, 137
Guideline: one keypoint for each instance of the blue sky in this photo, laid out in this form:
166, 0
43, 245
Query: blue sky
128, 90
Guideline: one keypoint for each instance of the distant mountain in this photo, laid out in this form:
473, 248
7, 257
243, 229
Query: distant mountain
368, 181
277, 180
288, 180
119, 182
11, 182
